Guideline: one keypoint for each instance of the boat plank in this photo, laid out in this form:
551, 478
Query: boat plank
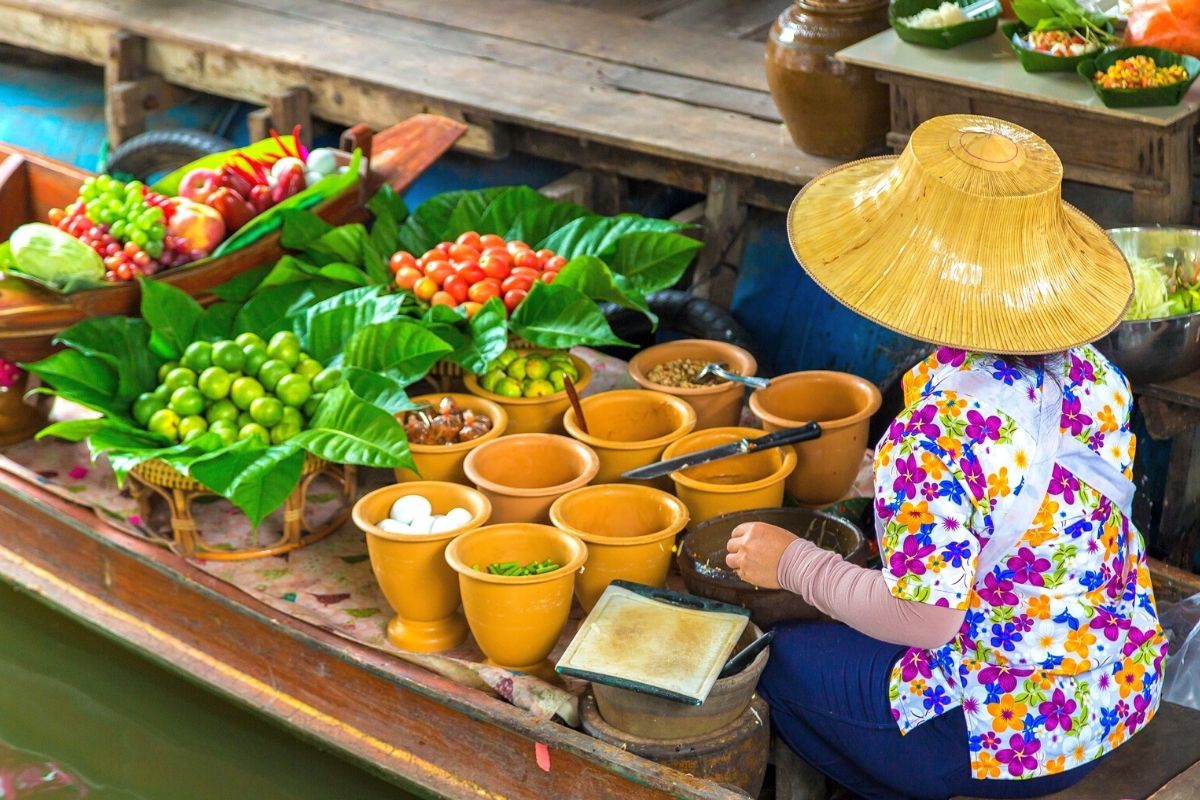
643, 9
741, 19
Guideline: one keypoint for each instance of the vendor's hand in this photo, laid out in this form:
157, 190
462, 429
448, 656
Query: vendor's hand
754, 552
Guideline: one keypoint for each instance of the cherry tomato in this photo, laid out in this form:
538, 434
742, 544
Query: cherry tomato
482, 292
425, 288
548, 276
440, 273
515, 245
471, 308
494, 283
472, 272
444, 247
527, 258
545, 255
554, 263
407, 277
516, 282
430, 255
470, 238
463, 252
435, 263
400, 259
490, 240
513, 298
494, 267
457, 286
525, 272
443, 299
500, 253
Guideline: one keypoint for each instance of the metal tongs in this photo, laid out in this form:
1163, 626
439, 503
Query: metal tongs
979, 8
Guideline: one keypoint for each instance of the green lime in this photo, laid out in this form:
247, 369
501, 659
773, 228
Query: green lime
536, 368
271, 372
228, 355
222, 410
286, 347
308, 367
215, 383
254, 430
506, 358
508, 387
282, 432
292, 416
197, 356
166, 368
326, 379
180, 377
162, 392
164, 422
266, 411
145, 405
538, 388
243, 419
293, 389
186, 401
245, 391
191, 426
256, 356
225, 429
516, 369
491, 378
556, 379
243, 339
312, 404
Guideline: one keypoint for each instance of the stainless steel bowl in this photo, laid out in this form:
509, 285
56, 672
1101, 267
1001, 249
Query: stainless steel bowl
1156, 350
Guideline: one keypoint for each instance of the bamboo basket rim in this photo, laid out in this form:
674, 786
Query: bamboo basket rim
159, 473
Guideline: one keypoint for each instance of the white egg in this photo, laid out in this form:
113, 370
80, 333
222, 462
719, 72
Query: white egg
287, 162
409, 507
421, 524
322, 160
342, 170
392, 526
460, 516
312, 177
444, 524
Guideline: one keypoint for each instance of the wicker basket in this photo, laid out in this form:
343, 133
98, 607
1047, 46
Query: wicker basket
155, 480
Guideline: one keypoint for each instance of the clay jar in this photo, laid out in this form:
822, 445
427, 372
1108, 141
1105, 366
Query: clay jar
629, 428
830, 108
523, 474
716, 406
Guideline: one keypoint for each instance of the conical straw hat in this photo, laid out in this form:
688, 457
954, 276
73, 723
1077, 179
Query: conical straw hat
963, 240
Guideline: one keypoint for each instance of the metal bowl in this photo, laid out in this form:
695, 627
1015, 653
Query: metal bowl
1156, 350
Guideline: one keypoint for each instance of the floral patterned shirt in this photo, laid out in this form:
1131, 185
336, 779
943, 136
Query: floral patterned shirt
1059, 658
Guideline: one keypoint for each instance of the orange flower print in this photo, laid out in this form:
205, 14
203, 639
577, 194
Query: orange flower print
1038, 607
1007, 714
1116, 737
1070, 666
951, 445
1055, 765
914, 515
1079, 753
949, 404
986, 766
1130, 678
916, 687
1079, 642
936, 563
1108, 420
998, 484
1021, 459
932, 465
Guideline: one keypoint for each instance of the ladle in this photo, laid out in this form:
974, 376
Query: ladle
573, 396
715, 370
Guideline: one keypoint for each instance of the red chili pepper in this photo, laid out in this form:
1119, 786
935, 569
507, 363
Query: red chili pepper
233, 179
301, 150
279, 142
259, 170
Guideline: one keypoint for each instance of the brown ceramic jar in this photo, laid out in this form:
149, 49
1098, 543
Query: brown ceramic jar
830, 108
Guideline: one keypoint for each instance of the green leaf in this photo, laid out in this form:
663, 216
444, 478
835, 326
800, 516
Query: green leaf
559, 317
390, 213
74, 430
290, 269
239, 288
489, 331
653, 261
508, 206
171, 312
469, 211
88, 381
430, 222
592, 277
273, 309
254, 478
1031, 12
344, 243
326, 327
378, 389
348, 430
346, 273
301, 228
403, 348
217, 321
128, 448
597, 236
122, 343
535, 224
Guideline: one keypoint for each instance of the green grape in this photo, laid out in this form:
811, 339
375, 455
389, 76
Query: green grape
115, 205
138, 237
118, 229
154, 249
157, 231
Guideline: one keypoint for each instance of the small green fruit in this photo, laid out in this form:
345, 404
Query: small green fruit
245, 391
266, 411
191, 426
165, 369
491, 378
508, 387
538, 388
293, 390
516, 369
214, 383
180, 377
145, 405
326, 379
536, 368
228, 356
222, 410
187, 401
197, 356
506, 358
164, 422
225, 429
308, 367
255, 431
271, 372
249, 338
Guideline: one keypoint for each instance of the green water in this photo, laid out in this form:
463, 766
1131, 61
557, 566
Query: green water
133, 731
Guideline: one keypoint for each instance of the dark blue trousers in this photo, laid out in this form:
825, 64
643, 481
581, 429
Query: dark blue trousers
827, 685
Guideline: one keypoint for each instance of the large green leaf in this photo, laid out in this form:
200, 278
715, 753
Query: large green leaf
171, 312
653, 261
597, 236
378, 389
559, 317
469, 211
88, 381
217, 321
592, 276
508, 206
403, 348
475, 342
128, 448
254, 478
273, 309
344, 243
390, 213
348, 430
239, 288
123, 344
326, 327
430, 222
535, 224
301, 228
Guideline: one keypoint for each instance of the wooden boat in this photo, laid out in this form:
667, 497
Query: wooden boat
30, 185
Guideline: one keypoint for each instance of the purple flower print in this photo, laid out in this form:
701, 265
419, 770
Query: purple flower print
1096, 442
1110, 623
1081, 370
1004, 372
951, 357
1028, 568
910, 558
1057, 711
909, 475
1122, 709
1002, 675
997, 591
1006, 636
989, 740
1023, 623
929, 490
957, 553
896, 432
936, 699
973, 472
923, 421
1019, 755
1064, 483
980, 428
913, 663
1136, 638
1073, 418
1140, 706
882, 509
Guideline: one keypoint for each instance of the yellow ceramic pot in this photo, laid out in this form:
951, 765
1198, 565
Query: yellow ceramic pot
738, 483
444, 462
843, 404
516, 621
630, 531
523, 474
629, 428
716, 406
533, 414
411, 568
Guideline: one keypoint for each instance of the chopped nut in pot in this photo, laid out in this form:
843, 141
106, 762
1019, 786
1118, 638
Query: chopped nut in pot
447, 424
680, 374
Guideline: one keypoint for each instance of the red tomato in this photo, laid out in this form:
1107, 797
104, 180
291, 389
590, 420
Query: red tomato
407, 277
425, 288
545, 255
500, 253
430, 255
471, 308
444, 247
491, 240
440, 273
463, 252
457, 286
472, 272
494, 267
554, 264
516, 282
482, 292
494, 283
443, 299
470, 238
401, 259
515, 245
513, 299
527, 258
525, 272
548, 276
435, 263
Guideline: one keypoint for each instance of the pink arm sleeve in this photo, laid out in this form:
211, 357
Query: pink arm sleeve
860, 598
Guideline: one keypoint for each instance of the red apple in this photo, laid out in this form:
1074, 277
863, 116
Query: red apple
198, 184
201, 227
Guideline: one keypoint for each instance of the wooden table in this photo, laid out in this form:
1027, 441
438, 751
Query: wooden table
1147, 151
672, 91
1172, 411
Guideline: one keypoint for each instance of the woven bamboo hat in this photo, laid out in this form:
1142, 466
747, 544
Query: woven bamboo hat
963, 240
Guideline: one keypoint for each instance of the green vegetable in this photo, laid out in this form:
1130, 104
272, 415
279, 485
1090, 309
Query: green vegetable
1160, 290
514, 569
1064, 15
55, 258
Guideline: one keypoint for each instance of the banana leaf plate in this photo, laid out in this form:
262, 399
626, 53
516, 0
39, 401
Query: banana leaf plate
1135, 98
1034, 60
942, 38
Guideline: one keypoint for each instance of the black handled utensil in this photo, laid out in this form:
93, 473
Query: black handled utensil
739, 661
777, 439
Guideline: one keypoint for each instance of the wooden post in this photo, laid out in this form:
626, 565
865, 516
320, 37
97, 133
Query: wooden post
574, 187
1166, 155
608, 193
283, 112
724, 219
125, 63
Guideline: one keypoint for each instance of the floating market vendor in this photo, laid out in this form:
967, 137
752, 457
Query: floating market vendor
1010, 640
